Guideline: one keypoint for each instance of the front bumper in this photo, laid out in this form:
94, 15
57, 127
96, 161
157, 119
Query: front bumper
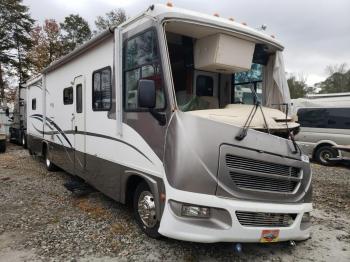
187, 229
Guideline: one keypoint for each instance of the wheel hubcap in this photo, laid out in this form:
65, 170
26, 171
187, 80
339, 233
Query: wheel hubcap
325, 155
47, 162
147, 209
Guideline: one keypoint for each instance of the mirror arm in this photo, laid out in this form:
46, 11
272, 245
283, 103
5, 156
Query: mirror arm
158, 116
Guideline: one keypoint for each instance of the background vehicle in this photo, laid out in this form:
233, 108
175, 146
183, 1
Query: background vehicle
322, 128
146, 113
18, 126
3, 127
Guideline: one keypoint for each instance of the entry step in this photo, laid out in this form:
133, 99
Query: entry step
78, 188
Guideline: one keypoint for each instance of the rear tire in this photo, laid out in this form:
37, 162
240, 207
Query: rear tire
24, 140
2, 146
325, 152
145, 210
49, 165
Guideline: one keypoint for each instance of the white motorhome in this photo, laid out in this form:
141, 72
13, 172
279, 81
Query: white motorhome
145, 113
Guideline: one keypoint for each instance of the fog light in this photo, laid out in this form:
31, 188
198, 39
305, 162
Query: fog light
306, 218
305, 221
195, 211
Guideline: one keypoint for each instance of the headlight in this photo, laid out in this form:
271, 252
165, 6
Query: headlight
195, 211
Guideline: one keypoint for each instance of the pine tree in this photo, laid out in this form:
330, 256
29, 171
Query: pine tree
15, 26
75, 31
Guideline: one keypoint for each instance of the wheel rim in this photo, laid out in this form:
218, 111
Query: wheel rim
147, 209
325, 155
48, 162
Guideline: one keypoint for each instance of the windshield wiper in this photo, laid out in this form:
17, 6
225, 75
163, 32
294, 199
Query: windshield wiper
251, 115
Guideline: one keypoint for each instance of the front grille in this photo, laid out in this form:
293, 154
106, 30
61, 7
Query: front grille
262, 183
254, 219
260, 166
254, 174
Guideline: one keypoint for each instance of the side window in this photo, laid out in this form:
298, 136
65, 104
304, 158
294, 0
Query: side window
102, 89
68, 96
34, 104
313, 117
141, 61
204, 85
339, 118
79, 98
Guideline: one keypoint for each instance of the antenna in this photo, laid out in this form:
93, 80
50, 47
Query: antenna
263, 27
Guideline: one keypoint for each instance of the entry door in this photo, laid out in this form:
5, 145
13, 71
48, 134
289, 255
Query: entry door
79, 125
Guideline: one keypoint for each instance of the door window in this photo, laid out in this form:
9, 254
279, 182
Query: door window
79, 98
141, 61
34, 104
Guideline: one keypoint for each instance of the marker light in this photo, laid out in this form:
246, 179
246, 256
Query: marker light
169, 4
195, 211
272, 36
231, 19
216, 14
244, 23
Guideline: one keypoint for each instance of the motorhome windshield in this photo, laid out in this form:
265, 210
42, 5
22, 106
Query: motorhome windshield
205, 74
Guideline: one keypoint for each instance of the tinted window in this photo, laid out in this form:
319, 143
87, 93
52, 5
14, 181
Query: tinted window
79, 97
142, 62
338, 118
102, 90
68, 96
204, 85
34, 104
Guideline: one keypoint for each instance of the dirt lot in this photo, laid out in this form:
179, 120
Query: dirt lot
41, 221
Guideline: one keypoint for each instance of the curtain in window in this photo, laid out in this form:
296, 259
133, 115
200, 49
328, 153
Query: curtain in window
275, 86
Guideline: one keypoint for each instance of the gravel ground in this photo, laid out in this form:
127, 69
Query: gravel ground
41, 221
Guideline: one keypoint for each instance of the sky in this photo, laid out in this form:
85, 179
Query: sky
315, 33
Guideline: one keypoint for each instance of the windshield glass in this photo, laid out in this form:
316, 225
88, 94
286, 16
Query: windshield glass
245, 82
200, 88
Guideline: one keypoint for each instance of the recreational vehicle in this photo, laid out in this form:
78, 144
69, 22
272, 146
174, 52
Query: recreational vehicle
145, 113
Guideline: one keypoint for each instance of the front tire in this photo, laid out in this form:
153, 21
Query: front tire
324, 153
145, 210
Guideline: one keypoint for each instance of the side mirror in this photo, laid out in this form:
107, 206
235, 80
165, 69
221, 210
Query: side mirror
146, 94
